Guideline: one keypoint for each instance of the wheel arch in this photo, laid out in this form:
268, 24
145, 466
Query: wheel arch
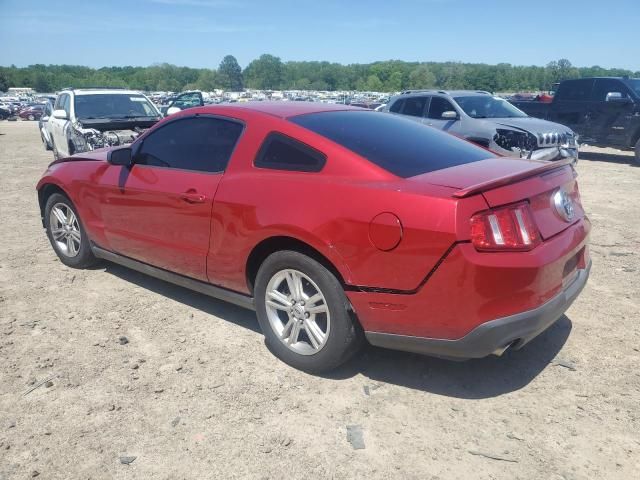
278, 243
44, 192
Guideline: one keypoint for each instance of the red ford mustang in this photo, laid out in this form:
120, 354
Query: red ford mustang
336, 224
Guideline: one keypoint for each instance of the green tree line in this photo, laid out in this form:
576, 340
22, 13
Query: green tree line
270, 72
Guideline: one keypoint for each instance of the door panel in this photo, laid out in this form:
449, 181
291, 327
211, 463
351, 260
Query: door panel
60, 125
573, 106
160, 216
158, 211
609, 119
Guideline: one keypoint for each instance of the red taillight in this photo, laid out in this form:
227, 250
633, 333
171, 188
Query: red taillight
509, 228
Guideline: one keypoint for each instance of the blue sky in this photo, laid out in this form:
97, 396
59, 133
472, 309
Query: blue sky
198, 33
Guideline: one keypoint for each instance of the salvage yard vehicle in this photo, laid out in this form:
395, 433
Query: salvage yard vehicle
335, 224
183, 101
86, 119
488, 121
5, 112
605, 112
33, 112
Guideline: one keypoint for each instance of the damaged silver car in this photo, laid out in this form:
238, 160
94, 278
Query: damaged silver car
488, 121
86, 119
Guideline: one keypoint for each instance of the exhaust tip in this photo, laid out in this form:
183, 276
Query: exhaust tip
498, 352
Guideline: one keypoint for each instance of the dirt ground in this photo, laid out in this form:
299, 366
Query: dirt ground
195, 394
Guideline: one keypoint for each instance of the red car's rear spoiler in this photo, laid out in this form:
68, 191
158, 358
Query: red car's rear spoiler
500, 181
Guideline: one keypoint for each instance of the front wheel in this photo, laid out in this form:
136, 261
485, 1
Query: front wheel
66, 232
304, 313
637, 152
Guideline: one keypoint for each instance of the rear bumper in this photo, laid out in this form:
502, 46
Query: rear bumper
494, 335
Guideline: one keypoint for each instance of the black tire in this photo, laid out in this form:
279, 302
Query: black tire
637, 152
84, 257
345, 336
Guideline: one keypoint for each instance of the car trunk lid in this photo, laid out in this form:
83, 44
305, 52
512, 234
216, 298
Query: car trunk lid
505, 181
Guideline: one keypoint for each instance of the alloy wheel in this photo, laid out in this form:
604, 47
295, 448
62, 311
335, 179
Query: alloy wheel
297, 311
65, 229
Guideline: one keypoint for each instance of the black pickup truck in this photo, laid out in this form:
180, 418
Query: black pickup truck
602, 111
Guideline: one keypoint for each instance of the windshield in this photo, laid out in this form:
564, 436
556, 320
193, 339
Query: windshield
116, 105
485, 106
634, 84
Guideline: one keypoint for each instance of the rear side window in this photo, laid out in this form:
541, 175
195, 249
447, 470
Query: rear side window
575, 90
397, 144
280, 152
203, 144
397, 106
414, 106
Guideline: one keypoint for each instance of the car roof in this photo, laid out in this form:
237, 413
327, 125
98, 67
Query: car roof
451, 93
104, 91
287, 109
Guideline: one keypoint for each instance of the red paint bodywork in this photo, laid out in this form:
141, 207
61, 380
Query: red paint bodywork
418, 275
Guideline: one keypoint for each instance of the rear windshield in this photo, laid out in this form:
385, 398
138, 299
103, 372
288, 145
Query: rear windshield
399, 145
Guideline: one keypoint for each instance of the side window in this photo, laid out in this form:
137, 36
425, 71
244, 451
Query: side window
438, 106
60, 102
607, 85
203, 144
397, 106
414, 106
575, 90
66, 103
280, 152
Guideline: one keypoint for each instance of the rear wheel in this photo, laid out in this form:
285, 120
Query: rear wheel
304, 313
66, 233
31, 117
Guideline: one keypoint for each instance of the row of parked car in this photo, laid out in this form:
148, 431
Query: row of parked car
23, 110
598, 111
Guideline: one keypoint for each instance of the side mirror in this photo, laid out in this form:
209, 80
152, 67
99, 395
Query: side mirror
120, 156
172, 110
61, 114
449, 115
616, 97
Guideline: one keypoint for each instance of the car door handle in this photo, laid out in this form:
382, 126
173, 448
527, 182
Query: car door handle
191, 196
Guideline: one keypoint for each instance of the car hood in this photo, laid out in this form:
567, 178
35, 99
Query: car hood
97, 155
528, 124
